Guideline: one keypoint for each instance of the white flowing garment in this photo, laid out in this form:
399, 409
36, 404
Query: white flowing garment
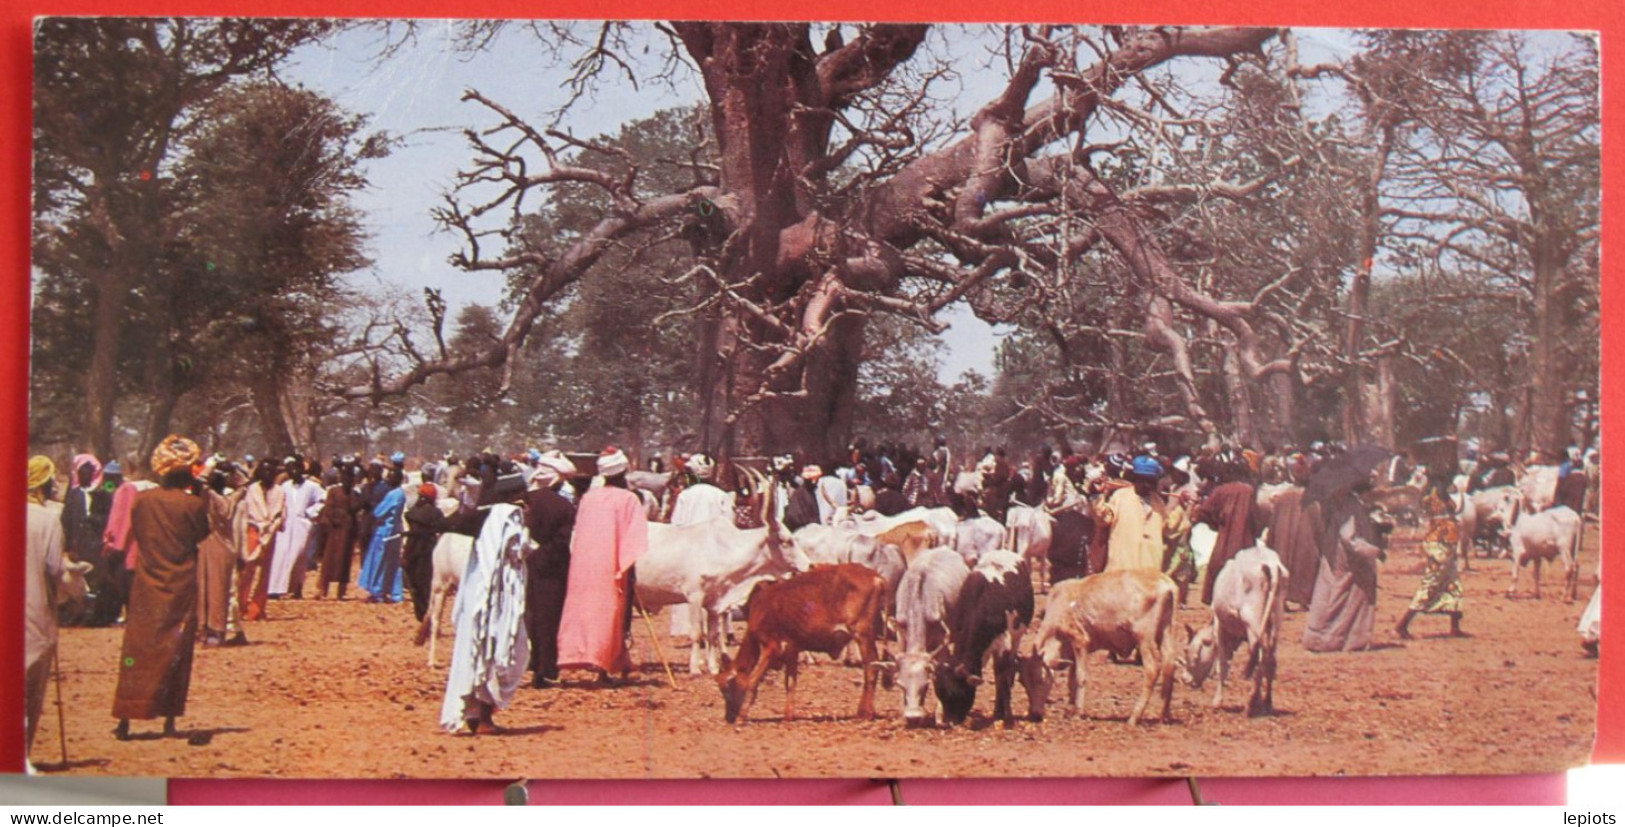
697, 504
492, 651
294, 538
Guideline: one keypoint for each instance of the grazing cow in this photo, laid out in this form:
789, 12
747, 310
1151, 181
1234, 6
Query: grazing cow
976, 538
1119, 611
709, 567
1547, 535
926, 600
1029, 534
1249, 598
821, 610
450, 560
911, 538
995, 608
829, 545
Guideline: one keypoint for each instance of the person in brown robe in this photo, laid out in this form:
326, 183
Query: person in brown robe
168, 523
338, 520
1343, 611
1293, 535
1232, 510
217, 557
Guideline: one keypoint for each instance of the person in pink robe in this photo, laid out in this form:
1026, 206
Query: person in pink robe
611, 533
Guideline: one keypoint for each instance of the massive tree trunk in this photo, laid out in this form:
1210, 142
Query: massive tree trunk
1549, 392
1358, 383
101, 381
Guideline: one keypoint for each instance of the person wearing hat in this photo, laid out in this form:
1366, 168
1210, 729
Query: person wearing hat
550, 518
118, 545
611, 532
167, 523
1231, 509
1134, 517
425, 522
223, 489
45, 566
703, 501
84, 519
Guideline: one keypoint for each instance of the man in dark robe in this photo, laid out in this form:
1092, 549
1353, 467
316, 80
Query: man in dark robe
425, 522
168, 523
889, 501
1232, 510
803, 507
370, 492
84, 518
549, 518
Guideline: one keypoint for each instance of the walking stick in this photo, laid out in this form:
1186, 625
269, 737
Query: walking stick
61, 721
654, 638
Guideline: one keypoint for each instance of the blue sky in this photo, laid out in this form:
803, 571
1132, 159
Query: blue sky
415, 94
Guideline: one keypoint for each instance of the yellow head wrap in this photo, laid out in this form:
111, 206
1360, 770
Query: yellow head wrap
173, 453
41, 470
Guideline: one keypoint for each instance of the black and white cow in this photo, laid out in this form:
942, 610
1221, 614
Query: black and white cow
995, 608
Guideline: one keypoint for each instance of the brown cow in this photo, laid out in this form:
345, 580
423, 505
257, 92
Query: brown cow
819, 611
911, 538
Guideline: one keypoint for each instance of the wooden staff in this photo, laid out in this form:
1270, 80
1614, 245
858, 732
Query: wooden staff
61, 720
654, 637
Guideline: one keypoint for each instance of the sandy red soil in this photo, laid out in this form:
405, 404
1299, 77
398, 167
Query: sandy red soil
336, 689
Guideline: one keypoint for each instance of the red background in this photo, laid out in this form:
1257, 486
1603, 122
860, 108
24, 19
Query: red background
1605, 16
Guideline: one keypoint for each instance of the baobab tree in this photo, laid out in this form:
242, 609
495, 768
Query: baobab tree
833, 191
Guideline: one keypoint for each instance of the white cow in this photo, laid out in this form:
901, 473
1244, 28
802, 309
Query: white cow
925, 603
710, 567
977, 537
1249, 598
1547, 535
450, 557
1538, 485
1476, 511
874, 524
1029, 532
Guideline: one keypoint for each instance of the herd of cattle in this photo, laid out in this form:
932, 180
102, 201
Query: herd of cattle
957, 595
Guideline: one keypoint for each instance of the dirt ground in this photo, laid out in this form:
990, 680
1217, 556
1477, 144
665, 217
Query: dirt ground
337, 690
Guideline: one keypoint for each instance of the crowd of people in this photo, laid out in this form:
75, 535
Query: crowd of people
198, 553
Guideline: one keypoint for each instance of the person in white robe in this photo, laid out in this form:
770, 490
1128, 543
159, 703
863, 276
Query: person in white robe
492, 651
301, 497
699, 503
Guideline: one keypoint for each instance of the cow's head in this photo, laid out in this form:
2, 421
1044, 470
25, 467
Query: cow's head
1505, 510
956, 690
734, 692
1201, 652
1036, 678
